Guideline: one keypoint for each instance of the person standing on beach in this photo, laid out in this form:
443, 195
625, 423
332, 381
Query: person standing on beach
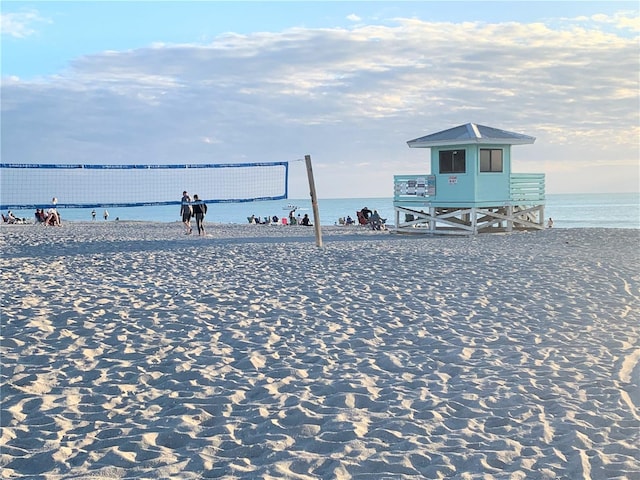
106, 215
186, 211
93, 214
199, 210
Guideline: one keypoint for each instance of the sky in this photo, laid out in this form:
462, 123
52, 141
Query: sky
348, 83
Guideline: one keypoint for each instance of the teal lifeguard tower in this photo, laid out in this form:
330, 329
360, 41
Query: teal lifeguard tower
471, 188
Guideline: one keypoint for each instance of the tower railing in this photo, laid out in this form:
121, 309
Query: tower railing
527, 187
523, 187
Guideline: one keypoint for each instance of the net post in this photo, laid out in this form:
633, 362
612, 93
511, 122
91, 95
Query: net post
314, 201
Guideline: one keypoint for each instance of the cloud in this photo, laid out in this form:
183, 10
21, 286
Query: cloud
20, 25
349, 97
622, 20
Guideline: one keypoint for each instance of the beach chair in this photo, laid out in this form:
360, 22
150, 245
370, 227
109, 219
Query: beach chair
379, 224
362, 220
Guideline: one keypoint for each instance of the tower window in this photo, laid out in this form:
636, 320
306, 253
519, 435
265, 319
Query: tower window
490, 160
452, 161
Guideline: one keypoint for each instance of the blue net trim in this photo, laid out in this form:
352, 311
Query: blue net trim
141, 167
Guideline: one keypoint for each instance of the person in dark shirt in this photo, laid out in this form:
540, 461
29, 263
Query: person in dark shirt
199, 210
186, 211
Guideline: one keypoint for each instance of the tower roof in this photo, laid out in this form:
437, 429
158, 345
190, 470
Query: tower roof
471, 133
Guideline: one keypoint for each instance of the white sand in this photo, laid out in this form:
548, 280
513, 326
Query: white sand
132, 351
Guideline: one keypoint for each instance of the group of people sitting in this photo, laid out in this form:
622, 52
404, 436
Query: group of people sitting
366, 217
346, 220
305, 220
293, 220
50, 217
263, 221
11, 218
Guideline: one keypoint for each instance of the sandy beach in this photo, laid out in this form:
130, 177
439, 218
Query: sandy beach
130, 350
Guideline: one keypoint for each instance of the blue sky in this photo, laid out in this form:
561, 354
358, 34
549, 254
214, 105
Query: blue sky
346, 82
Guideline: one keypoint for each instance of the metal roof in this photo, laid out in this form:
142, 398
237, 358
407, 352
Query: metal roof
471, 133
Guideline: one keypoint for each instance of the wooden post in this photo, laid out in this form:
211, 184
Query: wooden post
432, 222
314, 201
474, 220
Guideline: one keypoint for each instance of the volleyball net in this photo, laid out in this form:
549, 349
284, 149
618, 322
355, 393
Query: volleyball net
29, 186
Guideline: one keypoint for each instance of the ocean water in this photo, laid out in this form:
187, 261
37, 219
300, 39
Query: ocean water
617, 210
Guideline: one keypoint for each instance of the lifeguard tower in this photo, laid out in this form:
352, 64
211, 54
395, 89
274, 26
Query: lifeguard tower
471, 188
